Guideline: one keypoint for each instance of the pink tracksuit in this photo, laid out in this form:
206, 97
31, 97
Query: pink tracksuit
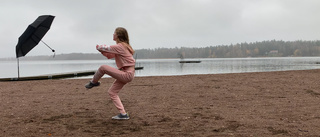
124, 74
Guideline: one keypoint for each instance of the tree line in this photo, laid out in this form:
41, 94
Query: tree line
271, 48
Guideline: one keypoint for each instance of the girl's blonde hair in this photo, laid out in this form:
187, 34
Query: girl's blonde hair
123, 36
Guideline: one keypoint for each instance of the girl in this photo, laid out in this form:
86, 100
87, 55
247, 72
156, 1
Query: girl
123, 54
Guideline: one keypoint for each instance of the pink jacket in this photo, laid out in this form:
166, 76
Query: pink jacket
121, 54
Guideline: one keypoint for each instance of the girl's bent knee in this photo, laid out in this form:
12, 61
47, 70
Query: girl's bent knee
112, 94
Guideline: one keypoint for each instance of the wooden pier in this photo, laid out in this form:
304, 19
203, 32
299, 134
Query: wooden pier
55, 76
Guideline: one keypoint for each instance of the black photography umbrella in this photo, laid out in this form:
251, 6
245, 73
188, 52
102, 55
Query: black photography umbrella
33, 35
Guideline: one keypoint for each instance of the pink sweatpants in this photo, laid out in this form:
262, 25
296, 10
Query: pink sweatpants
122, 77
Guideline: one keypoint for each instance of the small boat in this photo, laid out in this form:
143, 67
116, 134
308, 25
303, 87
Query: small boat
189, 61
138, 68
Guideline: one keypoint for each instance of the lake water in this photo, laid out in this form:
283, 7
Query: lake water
163, 67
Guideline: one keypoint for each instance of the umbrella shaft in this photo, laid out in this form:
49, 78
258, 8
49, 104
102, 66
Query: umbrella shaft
18, 68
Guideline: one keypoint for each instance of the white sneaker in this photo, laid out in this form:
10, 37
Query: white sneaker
120, 116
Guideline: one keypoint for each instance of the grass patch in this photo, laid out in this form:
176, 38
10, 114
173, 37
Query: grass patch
277, 131
313, 93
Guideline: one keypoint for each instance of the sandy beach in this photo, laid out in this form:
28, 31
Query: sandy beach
244, 104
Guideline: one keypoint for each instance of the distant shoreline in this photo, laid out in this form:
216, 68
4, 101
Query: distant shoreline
90, 56
271, 48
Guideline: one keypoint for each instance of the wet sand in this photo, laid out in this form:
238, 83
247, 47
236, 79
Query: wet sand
244, 104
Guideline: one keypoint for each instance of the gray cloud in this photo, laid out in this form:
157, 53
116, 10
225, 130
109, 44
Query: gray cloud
81, 24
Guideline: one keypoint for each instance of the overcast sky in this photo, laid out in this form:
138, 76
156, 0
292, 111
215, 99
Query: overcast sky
81, 24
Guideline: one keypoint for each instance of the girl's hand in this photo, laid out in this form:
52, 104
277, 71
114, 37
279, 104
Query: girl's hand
98, 48
101, 47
